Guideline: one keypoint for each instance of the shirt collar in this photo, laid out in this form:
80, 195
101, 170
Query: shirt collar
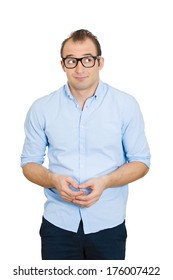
96, 94
68, 92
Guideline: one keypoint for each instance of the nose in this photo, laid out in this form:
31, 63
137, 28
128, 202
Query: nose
79, 68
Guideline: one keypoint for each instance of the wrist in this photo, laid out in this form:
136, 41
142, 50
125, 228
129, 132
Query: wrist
106, 181
52, 179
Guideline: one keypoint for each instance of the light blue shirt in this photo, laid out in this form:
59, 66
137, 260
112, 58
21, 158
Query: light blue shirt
83, 144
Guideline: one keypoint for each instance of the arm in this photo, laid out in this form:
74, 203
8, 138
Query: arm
126, 174
40, 175
33, 154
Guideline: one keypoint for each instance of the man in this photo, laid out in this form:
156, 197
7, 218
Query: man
96, 146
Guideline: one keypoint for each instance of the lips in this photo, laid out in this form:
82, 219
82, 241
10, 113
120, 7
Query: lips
80, 78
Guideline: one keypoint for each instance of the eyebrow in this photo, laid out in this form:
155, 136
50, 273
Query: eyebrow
86, 54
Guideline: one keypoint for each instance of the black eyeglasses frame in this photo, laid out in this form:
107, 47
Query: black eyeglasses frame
80, 59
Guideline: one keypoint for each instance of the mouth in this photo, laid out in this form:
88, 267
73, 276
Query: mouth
80, 78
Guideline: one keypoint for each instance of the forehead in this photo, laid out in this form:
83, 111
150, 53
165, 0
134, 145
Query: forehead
79, 48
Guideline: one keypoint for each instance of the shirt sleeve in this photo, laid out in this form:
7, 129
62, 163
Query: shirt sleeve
35, 143
135, 144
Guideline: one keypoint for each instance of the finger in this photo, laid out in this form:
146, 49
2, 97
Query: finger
85, 185
85, 198
72, 194
84, 203
72, 182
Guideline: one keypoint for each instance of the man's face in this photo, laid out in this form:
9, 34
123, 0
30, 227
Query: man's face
80, 77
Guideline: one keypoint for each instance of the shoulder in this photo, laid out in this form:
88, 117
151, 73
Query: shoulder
47, 103
48, 100
120, 97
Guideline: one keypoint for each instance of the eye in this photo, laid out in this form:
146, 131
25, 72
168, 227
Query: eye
88, 59
70, 61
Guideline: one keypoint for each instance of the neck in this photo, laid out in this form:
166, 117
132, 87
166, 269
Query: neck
82, 95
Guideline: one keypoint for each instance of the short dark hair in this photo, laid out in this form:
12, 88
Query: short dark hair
82, 35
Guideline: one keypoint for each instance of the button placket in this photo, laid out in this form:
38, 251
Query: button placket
82, 148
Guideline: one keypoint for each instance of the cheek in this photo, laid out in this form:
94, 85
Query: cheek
94, 74
64, 69
70, 76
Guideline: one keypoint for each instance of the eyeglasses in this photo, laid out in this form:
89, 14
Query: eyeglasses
87, 61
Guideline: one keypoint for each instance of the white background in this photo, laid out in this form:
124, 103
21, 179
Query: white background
136, 40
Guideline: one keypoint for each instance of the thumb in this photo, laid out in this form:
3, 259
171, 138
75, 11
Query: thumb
73, 182
85, 185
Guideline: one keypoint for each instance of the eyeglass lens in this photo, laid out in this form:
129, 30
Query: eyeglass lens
71, 62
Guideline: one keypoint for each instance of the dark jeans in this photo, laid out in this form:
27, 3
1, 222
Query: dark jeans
60, 244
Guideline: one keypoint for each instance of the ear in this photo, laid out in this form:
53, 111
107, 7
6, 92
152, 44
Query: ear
63, 67
101, 63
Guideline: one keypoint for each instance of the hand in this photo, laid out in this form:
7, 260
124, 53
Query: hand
96, 186
63, 183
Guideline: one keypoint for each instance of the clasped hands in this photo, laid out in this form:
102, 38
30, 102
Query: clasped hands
79, 197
